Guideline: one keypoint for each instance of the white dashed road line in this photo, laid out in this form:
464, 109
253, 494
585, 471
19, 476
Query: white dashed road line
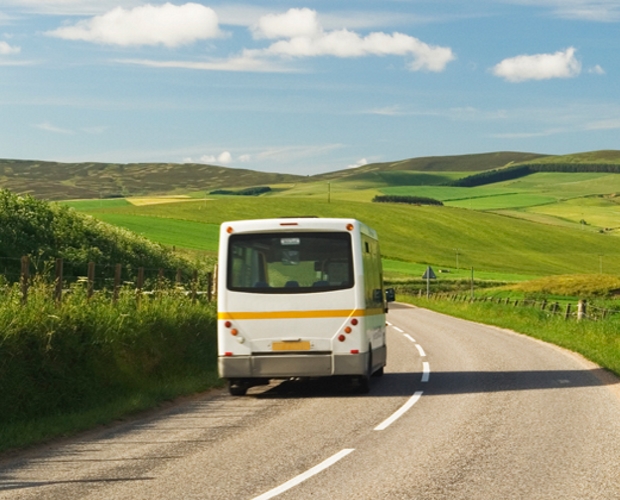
400, 412
305, 475
426, 371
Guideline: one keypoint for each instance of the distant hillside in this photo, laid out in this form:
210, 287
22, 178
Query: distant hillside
602, 156
596, 161
64, 181
460, 163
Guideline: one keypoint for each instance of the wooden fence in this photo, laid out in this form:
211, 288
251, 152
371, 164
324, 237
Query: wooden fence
159, 283
581, 310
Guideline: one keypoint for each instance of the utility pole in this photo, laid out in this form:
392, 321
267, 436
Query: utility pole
472, 283
329, 192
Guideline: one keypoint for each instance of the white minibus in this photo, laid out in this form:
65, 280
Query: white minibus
300, 297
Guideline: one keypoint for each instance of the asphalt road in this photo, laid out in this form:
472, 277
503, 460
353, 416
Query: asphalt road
464, 411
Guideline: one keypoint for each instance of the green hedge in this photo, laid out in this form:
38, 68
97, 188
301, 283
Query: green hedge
411, 200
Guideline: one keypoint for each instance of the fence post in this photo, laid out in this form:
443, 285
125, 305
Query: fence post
25, 278
177, 279
139, 284
90, 289
543, 305
117, 282
209, 286
567, 313
58, 291
581, 309
555, 307
194, 285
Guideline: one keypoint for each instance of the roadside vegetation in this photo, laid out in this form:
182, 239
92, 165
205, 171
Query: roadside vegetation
85, 362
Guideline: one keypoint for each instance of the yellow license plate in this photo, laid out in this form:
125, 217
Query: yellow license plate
301, 345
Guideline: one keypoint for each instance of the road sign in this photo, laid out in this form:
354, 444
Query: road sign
429, 274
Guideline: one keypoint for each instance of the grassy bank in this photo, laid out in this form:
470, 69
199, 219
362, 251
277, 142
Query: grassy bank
599, 341
72, 366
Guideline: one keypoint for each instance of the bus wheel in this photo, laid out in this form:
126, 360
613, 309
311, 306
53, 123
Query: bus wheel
378, 373
237, 388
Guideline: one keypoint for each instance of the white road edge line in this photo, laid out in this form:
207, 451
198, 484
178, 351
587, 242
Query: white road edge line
397, 329
426, 371
420, 350
306, 475
400, 412
409, 337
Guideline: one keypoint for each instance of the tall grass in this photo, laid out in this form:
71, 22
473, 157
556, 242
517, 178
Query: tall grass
598, 341
86, 361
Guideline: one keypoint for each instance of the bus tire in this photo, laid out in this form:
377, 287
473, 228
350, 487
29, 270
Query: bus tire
378, 373
237, 388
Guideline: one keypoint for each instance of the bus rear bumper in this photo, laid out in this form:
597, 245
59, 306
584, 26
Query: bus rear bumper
292, 365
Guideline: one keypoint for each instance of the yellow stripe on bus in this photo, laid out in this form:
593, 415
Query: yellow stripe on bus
329, 313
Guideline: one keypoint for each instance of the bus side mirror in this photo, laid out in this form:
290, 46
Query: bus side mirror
390, 295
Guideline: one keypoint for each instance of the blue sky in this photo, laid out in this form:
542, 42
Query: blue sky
306, 87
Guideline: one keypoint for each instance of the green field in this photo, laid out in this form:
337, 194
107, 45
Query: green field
546, 223
489, 242
168, 231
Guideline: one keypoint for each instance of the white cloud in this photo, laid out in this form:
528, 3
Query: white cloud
302, 36
294, 23
223, 158
597, 70
48, 127
6, 49
245, 158
359, 163
562, 64
167, 24
582, 10
244, 62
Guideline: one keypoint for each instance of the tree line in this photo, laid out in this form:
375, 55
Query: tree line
522, 170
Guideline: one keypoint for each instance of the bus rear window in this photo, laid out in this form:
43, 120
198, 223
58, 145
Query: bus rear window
290, 262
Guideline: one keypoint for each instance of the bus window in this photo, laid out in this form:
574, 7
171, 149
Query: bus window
290, 263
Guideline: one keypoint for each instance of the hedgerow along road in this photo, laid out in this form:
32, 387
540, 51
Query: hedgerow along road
463, 411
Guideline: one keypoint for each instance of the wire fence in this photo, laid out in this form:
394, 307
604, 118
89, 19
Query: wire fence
107, 278
580, 310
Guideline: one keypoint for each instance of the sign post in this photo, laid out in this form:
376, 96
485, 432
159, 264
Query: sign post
429, 275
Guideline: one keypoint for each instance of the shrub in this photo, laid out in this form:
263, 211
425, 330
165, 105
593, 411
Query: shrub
411, 200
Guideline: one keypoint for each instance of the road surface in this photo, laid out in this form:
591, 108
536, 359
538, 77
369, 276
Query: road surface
464, 411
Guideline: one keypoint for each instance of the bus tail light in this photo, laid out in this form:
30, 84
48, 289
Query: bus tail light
234, 332
354, 321
341, 338
355, 351
228, 354
347, 329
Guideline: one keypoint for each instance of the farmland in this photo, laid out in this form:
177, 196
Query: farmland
546, 223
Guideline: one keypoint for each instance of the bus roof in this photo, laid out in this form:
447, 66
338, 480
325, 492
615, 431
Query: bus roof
297, 224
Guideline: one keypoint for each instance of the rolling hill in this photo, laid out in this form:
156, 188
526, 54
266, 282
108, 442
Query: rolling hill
66, 181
